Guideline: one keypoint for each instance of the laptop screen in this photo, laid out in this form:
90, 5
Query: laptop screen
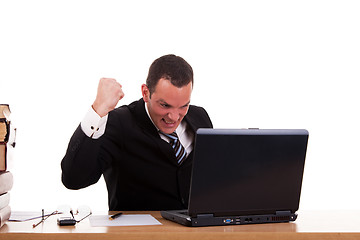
241, 171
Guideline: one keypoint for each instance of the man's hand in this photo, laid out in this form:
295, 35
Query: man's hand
109, 93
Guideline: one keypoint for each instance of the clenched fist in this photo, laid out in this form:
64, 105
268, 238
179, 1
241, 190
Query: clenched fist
109, 93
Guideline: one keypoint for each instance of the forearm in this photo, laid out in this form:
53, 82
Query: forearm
81, 165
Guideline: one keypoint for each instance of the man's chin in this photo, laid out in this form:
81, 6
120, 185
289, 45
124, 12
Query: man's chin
167, 130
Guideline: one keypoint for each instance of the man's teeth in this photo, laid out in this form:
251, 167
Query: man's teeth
168, 122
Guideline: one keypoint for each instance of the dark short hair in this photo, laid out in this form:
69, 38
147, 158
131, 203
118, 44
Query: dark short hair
171, 67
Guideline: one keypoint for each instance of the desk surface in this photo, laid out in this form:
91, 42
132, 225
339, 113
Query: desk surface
309, 225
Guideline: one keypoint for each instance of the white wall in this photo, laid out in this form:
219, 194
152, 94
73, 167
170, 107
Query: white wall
259, 63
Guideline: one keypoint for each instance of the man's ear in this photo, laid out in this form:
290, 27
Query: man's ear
145, 93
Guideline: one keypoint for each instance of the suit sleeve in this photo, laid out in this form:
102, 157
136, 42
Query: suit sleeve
82, 165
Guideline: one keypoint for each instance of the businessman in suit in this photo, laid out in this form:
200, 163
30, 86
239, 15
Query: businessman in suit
144, 149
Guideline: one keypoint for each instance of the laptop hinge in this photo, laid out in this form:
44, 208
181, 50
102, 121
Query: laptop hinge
283, 213
210, 215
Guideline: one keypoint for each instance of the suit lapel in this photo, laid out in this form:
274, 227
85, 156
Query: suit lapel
148, 128
138, 109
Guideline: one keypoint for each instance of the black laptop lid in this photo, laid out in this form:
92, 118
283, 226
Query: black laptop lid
242, 172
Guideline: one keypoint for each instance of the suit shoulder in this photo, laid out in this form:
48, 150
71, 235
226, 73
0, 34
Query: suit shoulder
197, 110
120, 110
199, 115
124, 115
123, 111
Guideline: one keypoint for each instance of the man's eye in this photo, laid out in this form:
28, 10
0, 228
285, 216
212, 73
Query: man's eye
164, 105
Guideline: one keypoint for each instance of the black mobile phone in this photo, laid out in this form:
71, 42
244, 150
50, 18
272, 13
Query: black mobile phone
66, 221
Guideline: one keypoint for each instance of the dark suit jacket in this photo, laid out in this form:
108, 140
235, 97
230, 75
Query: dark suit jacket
139, 168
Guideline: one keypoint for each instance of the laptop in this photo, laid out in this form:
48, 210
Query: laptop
244, 176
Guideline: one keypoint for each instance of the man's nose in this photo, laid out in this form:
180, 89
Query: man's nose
174, 115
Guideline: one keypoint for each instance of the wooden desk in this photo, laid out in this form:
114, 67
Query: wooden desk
309, 225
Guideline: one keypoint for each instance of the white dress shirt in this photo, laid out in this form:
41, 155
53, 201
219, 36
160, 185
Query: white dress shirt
93, 125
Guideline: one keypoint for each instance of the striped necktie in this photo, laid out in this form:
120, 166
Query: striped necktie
179, 149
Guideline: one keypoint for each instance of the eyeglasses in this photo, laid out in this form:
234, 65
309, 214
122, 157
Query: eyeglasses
82, 212
44, 217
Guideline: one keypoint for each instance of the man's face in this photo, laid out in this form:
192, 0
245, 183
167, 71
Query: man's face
168, 104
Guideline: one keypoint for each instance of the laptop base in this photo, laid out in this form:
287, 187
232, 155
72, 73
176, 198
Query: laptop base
211, 220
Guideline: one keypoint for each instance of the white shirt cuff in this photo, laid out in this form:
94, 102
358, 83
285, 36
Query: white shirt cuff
93, 125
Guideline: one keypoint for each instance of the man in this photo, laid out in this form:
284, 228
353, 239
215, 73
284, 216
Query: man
134, 146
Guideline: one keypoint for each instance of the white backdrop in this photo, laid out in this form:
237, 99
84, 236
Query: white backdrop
258, 63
